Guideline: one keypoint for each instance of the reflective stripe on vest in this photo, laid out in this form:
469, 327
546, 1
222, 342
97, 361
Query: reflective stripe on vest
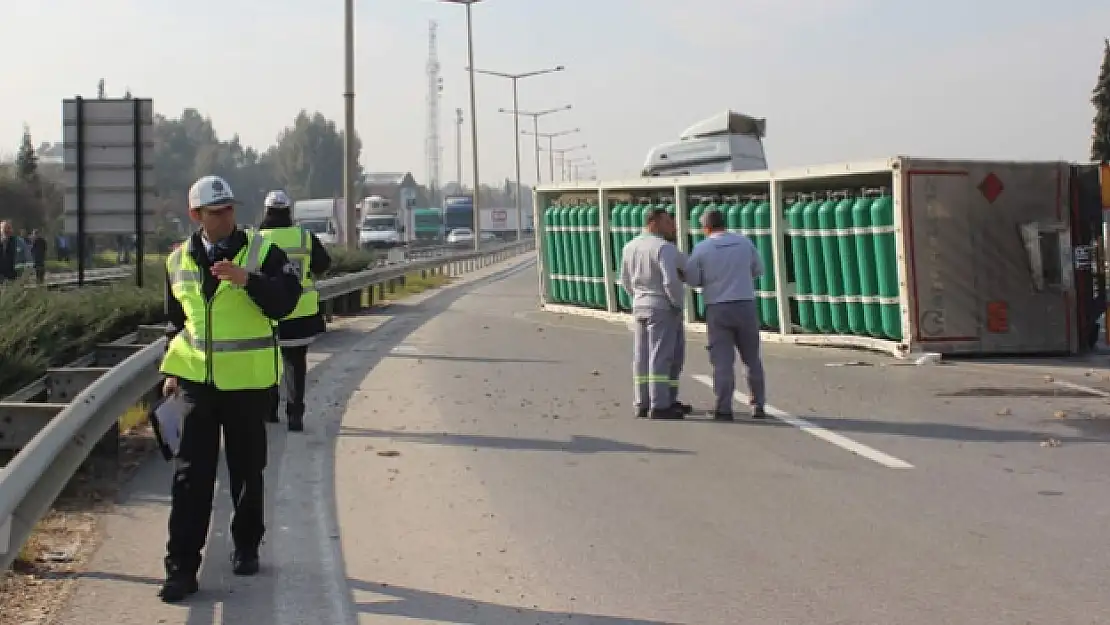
227, 341
296, 242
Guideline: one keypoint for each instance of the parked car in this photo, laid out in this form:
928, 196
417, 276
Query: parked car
460, 235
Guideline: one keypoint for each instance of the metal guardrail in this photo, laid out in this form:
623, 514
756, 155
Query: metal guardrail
86, 401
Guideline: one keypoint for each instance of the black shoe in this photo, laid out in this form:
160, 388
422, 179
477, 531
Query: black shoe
758, 412
672, 413
641, 413
685, 409
179, 583
296, 424
722, 416
176, 588
244, 563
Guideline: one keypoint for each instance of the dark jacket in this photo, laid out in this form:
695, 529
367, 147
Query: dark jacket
9, 258
274, 288
320, 262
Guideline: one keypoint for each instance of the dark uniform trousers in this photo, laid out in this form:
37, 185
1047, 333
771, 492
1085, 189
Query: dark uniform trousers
240, 415
296, 372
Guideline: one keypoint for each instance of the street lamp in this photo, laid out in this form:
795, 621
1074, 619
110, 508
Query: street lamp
563, 156
473, 118
536, 128
550, 145
516, 129
572, 166
349, 156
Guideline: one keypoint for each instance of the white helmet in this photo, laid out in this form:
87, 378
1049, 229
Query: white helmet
210, 191
277, 199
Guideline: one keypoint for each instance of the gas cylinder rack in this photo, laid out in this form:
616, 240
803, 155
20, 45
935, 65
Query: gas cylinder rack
838, 245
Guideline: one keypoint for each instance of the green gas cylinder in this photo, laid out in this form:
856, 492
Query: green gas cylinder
596, 269
617, 219
886, 265
849, 266
830, 255
732, 207
868, 275
549, 243
567, 266
768, 304
558, 284
818, 282
747, 216
693, 224
803, 287
577, 254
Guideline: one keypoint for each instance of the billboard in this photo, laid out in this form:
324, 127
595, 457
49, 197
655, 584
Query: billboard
108, 166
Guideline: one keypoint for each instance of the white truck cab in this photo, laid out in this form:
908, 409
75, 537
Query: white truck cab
380, 227
726, 142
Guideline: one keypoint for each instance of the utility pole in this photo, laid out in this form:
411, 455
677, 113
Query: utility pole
458, 147
350, 158
435, 90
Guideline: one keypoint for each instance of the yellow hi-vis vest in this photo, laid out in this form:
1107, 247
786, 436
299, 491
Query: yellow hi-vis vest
227, 341
297, 245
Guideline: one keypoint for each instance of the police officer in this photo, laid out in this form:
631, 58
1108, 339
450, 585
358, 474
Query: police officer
298, 329
225, 288
726, 265
651, 268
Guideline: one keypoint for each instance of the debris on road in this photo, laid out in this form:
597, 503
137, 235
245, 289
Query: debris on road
389, 453
1005, 412
1052, 442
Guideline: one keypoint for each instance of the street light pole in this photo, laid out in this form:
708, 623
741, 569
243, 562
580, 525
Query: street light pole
473, 119
550, 145
516, 131
350, 158
536, 130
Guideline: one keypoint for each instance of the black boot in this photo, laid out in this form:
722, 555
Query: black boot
295, 417
179, 583
685, 409
671, 413
245, 562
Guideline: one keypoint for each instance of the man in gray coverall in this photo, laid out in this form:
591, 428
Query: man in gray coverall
725, 265
651, 270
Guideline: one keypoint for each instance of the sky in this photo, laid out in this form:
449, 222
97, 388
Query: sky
837, 80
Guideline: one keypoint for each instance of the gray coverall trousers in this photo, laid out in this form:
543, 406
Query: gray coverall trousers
732, 327
658, 355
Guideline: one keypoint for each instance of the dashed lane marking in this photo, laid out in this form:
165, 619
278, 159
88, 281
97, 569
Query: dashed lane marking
815, 430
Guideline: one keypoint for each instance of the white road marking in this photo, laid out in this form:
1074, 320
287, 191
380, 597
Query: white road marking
1080, 387
815, 430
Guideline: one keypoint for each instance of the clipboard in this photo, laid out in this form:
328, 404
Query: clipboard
167, 419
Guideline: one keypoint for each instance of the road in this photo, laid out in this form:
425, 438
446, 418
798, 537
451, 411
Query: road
473, 460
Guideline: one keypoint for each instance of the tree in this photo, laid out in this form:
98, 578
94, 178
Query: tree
1100, 144
100, 93
308, 158
26, 161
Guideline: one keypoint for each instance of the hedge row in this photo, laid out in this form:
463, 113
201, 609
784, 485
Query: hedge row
40, 328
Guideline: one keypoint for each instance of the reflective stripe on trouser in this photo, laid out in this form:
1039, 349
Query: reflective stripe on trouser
734, 327
655, 368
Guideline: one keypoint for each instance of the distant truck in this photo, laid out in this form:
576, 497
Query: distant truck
326, 218
501, 222
725, 142
380, 227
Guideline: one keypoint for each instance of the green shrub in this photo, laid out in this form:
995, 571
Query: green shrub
344, 260
40, 328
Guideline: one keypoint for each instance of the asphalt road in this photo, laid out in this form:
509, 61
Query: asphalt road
472, 460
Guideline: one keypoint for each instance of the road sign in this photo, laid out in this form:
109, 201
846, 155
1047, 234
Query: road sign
109, 185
